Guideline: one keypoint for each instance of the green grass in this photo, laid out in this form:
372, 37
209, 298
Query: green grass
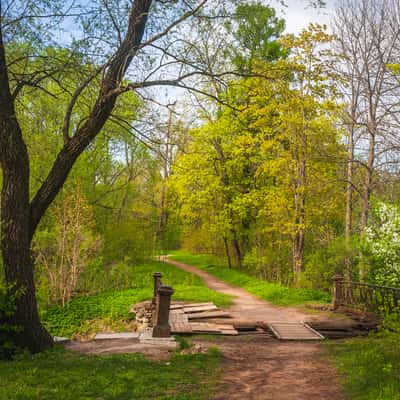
369, 367
85, 314
62, 375
272, 292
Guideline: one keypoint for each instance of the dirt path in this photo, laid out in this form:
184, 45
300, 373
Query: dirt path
262, 368
245, 305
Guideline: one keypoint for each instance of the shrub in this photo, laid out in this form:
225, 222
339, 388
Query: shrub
381, 250
7, 329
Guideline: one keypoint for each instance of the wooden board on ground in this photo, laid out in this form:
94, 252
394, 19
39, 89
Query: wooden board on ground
178, 327
294, 331
196, 309
178, 318
209, 314
177, 311
205, 327
175, 306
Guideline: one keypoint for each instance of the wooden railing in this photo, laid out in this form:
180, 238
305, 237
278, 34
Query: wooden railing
365, 297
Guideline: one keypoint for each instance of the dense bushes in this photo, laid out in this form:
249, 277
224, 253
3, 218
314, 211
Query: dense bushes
381, 246
7, 329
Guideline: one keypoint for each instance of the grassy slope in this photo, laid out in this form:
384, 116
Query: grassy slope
87, 313
272, 292
369, 367
62, 375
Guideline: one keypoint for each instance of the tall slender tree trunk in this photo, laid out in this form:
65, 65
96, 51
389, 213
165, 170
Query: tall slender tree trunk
227, 252
349, 203
367, 189
368, 180
298, 238
237, 253
300, 212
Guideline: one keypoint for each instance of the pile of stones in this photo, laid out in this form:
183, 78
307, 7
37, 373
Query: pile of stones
143, 315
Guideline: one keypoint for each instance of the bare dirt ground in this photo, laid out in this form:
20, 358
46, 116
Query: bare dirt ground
261, 368
120, 346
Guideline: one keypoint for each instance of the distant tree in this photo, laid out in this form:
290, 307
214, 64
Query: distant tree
64, 250
368, 42
257, 30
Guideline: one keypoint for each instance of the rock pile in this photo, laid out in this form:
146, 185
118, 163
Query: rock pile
143, 315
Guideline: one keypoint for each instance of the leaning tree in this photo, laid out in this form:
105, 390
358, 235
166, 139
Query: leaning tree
119, 46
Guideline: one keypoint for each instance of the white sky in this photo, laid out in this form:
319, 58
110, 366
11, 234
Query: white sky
298, 15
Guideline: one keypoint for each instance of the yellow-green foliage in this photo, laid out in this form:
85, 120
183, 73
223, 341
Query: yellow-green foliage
246, 169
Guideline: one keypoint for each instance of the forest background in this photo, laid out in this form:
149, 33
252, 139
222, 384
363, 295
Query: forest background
287, 167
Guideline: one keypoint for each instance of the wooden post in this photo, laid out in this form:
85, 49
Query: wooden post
157, 283
162, 327
337, 291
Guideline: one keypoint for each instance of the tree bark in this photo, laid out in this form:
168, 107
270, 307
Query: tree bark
298, 239
228, 255
15, 219
299, 213
349, 202
237, 252
368, 179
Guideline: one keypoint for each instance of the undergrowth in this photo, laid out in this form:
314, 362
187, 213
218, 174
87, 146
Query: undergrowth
87, 314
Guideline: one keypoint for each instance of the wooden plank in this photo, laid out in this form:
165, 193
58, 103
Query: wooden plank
189, 310
177, 311
294, 331
204, 327
209, 314
181, 328
229, 333
175, 306
178, 318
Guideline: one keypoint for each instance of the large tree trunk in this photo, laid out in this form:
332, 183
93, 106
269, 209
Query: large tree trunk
16, 239
18, 263
15, 221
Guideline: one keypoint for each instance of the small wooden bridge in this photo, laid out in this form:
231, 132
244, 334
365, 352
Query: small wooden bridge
189, 318
294, 331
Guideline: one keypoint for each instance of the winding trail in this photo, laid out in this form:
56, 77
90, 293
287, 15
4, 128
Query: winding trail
261, 368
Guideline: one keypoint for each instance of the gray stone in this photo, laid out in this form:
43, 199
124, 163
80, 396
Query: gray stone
119, 335
159, 343
60, 339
